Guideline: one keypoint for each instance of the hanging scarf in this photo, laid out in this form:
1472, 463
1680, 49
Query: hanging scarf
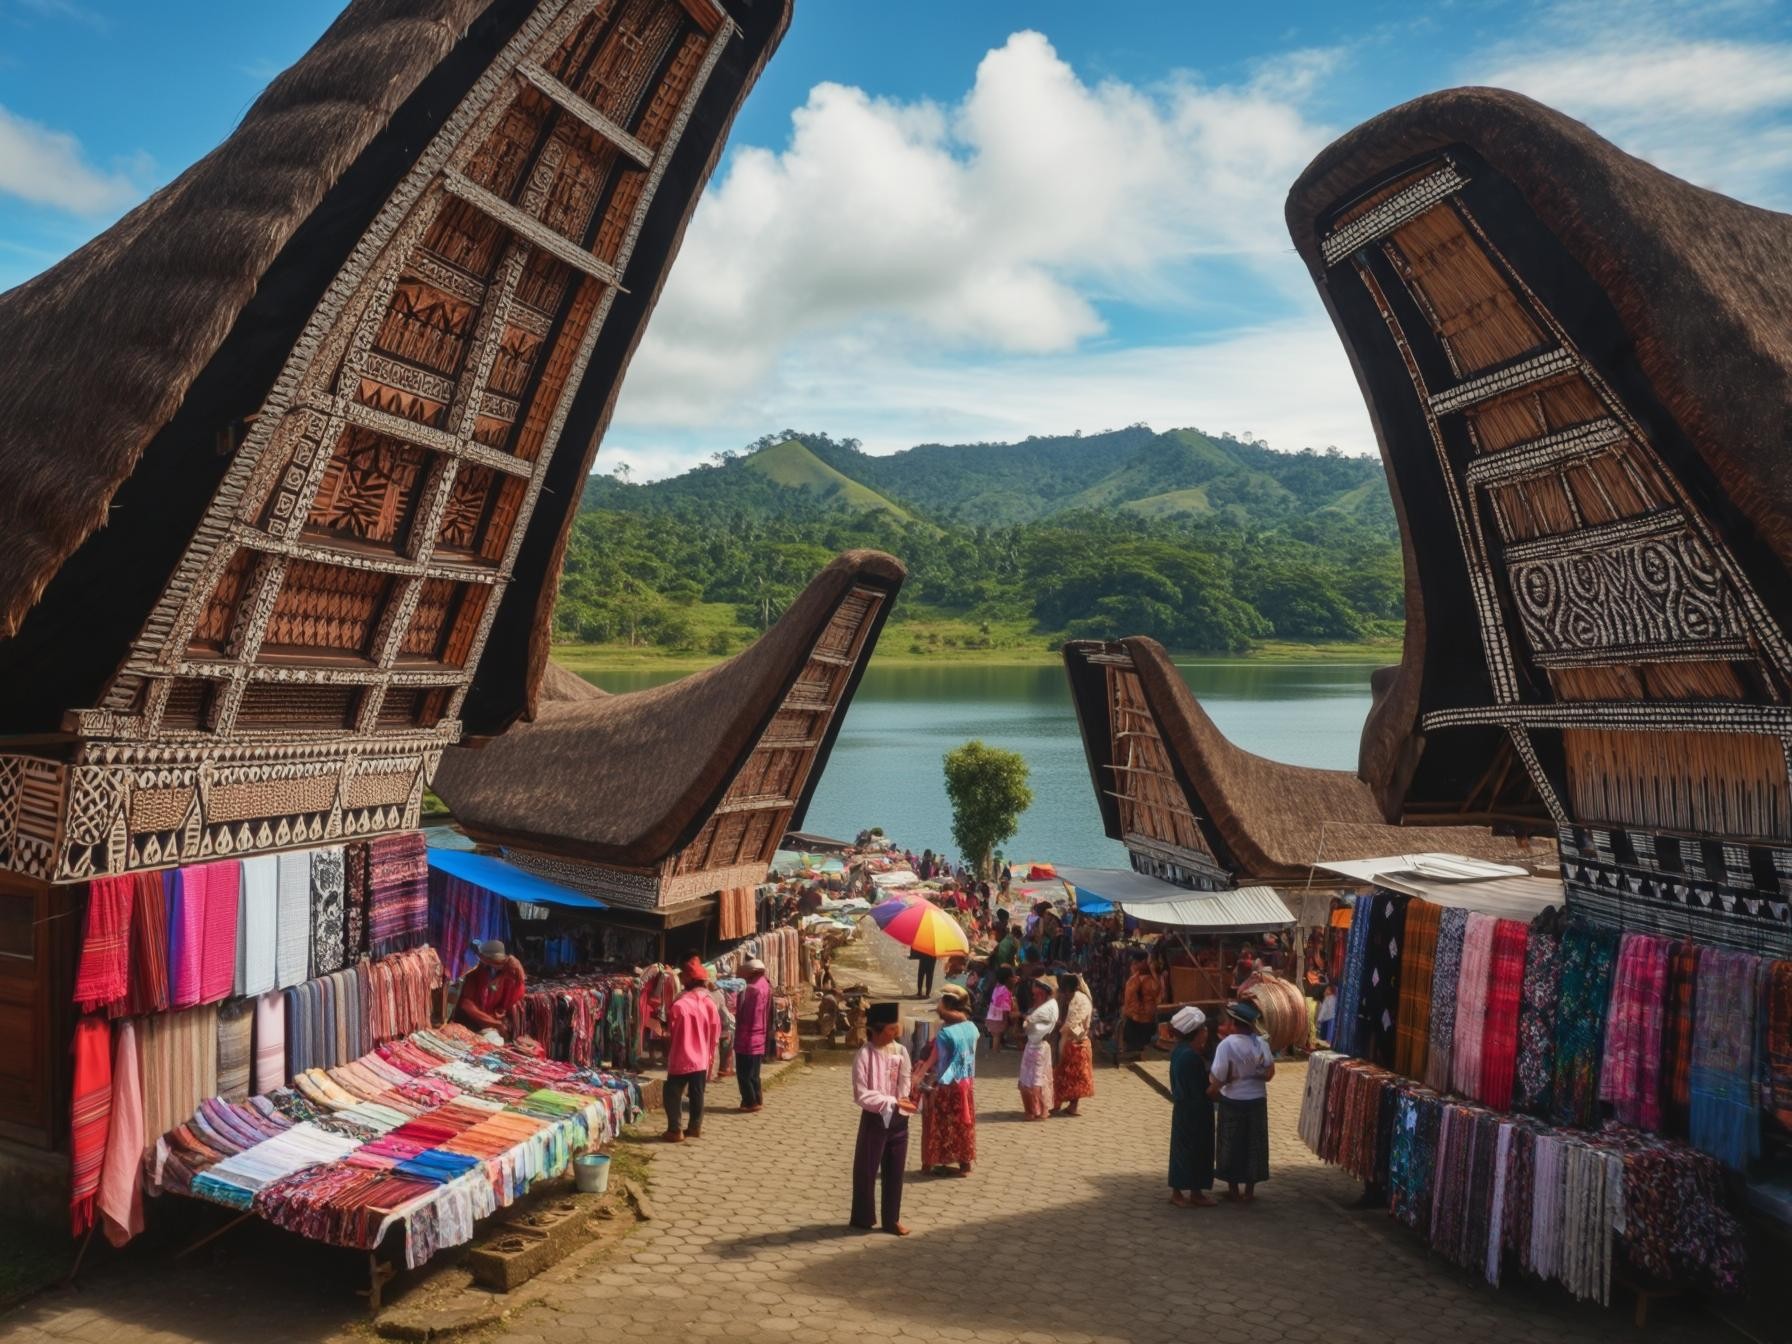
103, 976
258, 920
1381, 978
90, 1117
398, 880
148, 991
220, 885
1725, 1119
1412, 1033
1471, 1005
1499, 1039
186, 936
1588, 955
326, 911
1676, 1039
270, 1042
1778, 1090
236, 1029
1446, 973
1630, 1073
1532, 1084
1350, 991
292, 918
120, 1199
357, 897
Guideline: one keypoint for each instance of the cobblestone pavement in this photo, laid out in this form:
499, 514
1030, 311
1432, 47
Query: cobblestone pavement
1062, 1233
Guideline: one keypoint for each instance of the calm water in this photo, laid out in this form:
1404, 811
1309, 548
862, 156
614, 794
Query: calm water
886, 771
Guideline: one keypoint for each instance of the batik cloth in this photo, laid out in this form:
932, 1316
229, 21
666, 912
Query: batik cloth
1381, 977
1346, 1030
357, 899
398, 883
1777, 1099
327, 879
1471, 1005
1726, 1119
1499, 1038
90, 1117
949, 1125
1446, 974
104, 974
1589, 954
1533, 1082
1074, 1076
1630, 1072
1412, 1033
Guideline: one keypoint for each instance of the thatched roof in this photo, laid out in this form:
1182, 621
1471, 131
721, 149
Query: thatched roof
1684, 297
629, 779
1265, 821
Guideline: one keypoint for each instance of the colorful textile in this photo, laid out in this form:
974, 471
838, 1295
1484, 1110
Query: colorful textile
357, 899
1725, 1119
258, 913
270, 1042
1589, 954
1676, 1039
292, 936
1345, 1027
216, 887
90, 1117
119, 1204
103, 976
1777, 1097
1412, 1032
1446, 974
186, 936
1630, 1073
1382, 969
949, 1125
1533, 1084
461, 916
398, 893
327, 878
179, 1058
1471, 1005
1499, 1039
1074, 1076
236, 1031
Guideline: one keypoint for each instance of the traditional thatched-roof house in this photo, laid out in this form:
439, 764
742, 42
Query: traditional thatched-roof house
295, 442
1580, 373
657, 800
1195, 809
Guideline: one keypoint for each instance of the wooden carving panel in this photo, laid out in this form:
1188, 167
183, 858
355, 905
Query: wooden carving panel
369, 489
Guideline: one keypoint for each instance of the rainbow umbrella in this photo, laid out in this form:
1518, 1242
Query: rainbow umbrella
921, 926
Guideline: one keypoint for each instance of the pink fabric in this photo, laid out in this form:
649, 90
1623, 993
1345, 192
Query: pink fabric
753, 1018
881, 1077
186, 936
696, 1027
120, 1202
1630, 1075
270, 1042
221, 890
1471, 1005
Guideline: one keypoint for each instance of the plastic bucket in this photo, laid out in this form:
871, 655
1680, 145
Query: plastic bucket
591, 1172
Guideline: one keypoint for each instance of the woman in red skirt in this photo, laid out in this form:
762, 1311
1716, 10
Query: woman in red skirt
947, 1075
1074, 1077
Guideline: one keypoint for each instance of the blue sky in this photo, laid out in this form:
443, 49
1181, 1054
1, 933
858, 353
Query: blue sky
941, 221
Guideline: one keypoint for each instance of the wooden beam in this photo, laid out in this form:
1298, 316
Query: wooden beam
528, 228
763, 803
584, 112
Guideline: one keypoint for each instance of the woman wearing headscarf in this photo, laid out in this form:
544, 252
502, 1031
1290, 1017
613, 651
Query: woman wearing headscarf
1036, 1059
1191, 1113
1074, 1077
1242, 1068
947, 1075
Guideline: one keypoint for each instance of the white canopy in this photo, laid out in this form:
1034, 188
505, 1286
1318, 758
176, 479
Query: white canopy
1451, 880
1154, 901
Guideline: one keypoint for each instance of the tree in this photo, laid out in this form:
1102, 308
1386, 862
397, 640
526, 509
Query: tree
988, 789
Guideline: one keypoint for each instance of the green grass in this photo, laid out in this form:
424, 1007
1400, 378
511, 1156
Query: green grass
792, 464
1170, 503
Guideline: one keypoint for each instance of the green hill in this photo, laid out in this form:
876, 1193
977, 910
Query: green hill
790, 464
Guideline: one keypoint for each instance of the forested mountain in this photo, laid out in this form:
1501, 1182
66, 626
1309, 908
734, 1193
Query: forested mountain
1206, 543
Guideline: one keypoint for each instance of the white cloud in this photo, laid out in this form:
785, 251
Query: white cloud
1692, 88
47, 167
909, 242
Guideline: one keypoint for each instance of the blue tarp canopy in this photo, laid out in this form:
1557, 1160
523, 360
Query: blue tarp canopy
507, 880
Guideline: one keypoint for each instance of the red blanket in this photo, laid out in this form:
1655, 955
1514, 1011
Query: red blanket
90, 1116
1505, 987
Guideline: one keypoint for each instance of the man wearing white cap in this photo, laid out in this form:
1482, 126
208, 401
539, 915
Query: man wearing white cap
754, 1034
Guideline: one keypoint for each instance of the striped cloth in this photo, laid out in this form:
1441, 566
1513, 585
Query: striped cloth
1471, 1005
292, 932
221, 884
90, 1117
398, 893
179, 1054
258, 923
104, 975
1499, 1039
236, 1030
1412, 1037
270, 1042
148, 991
186, 937
1676, 1039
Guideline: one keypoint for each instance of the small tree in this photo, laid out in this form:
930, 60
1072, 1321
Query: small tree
988, 791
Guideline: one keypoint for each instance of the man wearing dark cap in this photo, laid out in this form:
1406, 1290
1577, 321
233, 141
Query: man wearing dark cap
491, 989
695, 1027
882, 1084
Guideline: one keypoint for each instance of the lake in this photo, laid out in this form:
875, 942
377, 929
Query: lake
885, 769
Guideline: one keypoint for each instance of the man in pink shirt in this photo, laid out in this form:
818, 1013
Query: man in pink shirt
694, 1026
753, 1035
882, 1083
